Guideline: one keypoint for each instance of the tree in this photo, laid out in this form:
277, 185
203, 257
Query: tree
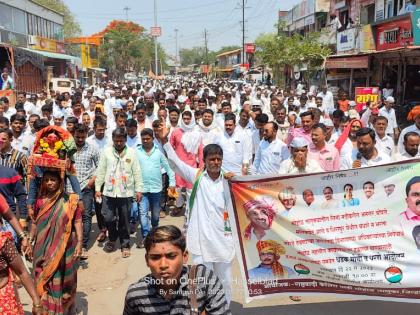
126, 48
71, 27
279, 50
197, 55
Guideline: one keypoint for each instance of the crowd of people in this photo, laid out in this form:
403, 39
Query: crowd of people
137, 152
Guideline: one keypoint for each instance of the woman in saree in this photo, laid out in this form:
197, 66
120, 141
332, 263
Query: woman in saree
10, 261
57, 231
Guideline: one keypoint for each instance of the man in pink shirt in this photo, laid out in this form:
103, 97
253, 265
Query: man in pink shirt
410, 218
307, 119
327, 155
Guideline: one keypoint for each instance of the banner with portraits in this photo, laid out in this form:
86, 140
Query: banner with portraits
354, 233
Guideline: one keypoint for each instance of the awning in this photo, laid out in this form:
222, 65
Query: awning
355, 62
98, 69
75, 60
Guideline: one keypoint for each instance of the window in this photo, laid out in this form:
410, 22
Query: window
6, 17
367, 14
19, 21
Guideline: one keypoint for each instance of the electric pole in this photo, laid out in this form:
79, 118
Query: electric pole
205, 46
243, 7
176, 50
126, 9
243, 31
156, 50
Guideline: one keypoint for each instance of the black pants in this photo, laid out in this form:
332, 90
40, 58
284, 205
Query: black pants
87, 199
164, 195
116, 212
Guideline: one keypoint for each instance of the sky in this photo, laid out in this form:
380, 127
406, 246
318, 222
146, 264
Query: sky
221, 18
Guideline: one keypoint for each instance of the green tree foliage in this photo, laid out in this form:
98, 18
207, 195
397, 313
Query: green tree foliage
71, 27
279, 50
197, 55
125, 51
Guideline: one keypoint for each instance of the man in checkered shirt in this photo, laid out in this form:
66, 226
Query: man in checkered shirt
86, 161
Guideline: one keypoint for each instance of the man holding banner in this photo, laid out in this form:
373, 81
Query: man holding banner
209, 236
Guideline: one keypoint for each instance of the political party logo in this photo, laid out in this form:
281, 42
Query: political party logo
301, 269
393, 274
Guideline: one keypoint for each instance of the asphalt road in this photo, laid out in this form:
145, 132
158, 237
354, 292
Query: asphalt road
104, 278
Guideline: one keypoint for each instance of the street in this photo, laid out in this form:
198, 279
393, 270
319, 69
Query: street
104, 279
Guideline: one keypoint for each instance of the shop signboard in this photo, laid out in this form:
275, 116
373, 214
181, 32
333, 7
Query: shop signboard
346, 40
46, 44
415, 17
367, 42
394, 34
364, 95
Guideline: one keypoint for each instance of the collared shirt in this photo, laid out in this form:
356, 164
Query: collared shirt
386, 144
380, 159
288, 167
236, 151
151, 164
283, 130
16, 160
405, 156
101, 144
17, 143
269, 156
328, 157
86, 161
143, 297
205, 233
414, 128
327, 101
392, 119
133, 142
9, 113
408, 221
120, 173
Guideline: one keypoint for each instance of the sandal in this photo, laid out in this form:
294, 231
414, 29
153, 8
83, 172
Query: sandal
295, 298
125, 253
109, 247
101, 237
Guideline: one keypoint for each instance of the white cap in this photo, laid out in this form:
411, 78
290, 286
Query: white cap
299, 142
257, 102
58, 114
390, 99
328, 122
352, 104
296, 103
353, 114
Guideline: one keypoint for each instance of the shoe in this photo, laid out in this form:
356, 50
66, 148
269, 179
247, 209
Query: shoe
109, 247
295, 298
84, 255
162, 214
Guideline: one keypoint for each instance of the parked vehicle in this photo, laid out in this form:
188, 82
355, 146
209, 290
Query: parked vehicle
61, 85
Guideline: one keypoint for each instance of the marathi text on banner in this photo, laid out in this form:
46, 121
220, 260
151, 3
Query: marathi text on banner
354, 232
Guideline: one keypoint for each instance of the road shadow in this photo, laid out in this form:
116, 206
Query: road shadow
367, 307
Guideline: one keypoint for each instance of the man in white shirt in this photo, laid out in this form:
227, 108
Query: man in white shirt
99, 140
209, 237
414, 115
271, 151
133, 138
237, 149
384, 142
7, 110
389, 112
411, 147
208, 128
367, 154
327, 100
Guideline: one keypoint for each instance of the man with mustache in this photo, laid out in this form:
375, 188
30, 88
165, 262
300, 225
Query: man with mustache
411, 216
367, 154
270, 268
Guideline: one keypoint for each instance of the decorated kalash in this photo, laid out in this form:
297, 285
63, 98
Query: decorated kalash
54, 147
56, 230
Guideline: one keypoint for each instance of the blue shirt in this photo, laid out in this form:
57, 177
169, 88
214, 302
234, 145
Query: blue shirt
151, 165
